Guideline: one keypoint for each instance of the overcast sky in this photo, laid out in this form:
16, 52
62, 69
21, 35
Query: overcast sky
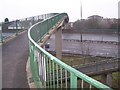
17, 9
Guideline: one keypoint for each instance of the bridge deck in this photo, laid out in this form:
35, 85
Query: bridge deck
15, 54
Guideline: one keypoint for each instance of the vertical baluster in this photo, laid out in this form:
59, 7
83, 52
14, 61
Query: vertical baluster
48, 24
61, 75
66, 78
50, 74
57, 74
42, 65
73, 81
35, 63
37, 58
47, 72
32, 58
90, 87
82, 86
39, 64
44, 69
53, 75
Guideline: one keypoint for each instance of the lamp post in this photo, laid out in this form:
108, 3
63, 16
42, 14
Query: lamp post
16, 27
81, 19
81, 43
1, 39
17, 22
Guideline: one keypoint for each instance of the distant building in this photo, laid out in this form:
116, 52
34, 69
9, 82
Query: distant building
113, 20
69, 25
97, 17
15, 25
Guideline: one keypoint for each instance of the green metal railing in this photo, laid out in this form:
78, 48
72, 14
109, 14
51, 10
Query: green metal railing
47, 70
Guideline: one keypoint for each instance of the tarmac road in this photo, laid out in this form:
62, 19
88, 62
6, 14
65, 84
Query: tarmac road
87, 48
14, 58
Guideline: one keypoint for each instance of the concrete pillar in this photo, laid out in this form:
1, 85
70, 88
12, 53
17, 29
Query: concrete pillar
109, 79
103, 78
58, 43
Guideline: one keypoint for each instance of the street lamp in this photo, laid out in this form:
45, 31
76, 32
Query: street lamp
81, 19
16, 22
1, 40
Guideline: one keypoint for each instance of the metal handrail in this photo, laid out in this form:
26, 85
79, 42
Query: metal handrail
46, 68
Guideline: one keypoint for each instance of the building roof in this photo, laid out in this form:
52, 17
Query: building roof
95, 17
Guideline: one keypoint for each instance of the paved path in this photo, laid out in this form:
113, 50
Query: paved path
14, 58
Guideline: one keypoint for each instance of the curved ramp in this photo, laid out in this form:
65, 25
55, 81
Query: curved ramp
47, 69
14, 58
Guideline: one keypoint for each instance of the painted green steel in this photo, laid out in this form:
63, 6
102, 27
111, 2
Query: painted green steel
57, 74
53, 75
61, 76
47, 69
50, 73
90, 87
66, 78
82, 85
73, 81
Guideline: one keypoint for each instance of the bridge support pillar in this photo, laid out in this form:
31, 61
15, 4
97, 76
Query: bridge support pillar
109, 79
58, 43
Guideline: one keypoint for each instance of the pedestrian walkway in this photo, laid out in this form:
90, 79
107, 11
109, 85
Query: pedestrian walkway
15, 55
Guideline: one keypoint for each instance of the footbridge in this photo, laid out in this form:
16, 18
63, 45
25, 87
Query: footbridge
46, 69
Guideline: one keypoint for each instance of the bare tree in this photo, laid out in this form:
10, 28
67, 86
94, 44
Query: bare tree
6, 20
